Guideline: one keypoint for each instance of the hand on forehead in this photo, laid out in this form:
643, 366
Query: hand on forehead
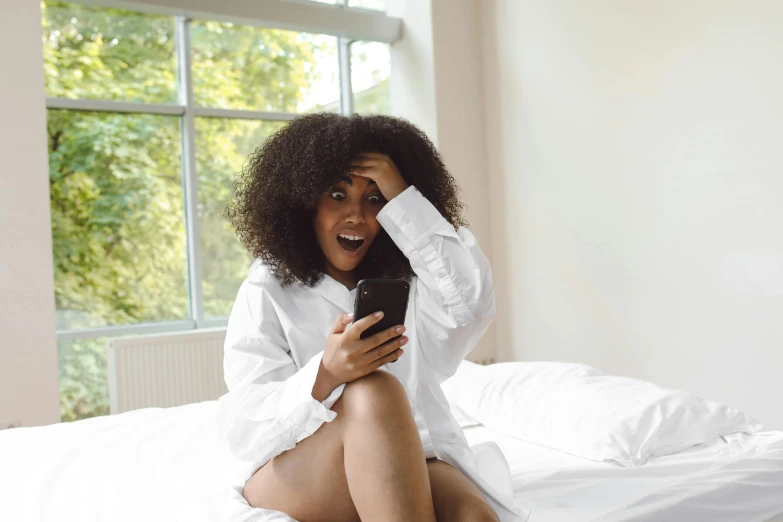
359, 176
370, 159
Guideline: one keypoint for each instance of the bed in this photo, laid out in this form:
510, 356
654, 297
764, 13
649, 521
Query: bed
737, 478
169, 465
582, 446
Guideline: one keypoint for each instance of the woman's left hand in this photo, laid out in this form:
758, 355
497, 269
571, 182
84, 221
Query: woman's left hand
381, 169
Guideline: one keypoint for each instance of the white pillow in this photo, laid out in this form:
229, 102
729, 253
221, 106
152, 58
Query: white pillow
576, 409
546, 372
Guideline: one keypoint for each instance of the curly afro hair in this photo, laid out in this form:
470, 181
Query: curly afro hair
273, 200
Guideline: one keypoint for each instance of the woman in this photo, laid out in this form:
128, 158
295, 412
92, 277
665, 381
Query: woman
331, 431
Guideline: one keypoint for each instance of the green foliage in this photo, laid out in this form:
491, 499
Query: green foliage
117, 219
118, 223
83, 388
108, 54
225, 259
243, 67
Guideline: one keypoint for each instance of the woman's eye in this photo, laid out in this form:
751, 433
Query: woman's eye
338, 195
375, 199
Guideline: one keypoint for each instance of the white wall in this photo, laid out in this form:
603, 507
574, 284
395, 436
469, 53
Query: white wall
28, 354
460, 122
638, 219
437, 84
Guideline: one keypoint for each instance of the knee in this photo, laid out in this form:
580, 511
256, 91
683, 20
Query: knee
471, 508
376, 392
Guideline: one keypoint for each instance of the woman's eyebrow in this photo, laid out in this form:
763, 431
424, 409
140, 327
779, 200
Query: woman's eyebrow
349, 181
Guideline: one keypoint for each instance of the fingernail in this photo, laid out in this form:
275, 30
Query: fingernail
378, 314
400, 329
403, 341
350, 316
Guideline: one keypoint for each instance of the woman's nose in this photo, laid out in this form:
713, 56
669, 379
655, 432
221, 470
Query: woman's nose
354, 213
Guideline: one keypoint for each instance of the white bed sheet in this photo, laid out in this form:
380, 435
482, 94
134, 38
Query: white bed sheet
168, 465
153, 464
734, 479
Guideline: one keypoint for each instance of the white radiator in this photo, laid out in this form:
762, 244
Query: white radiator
165, 370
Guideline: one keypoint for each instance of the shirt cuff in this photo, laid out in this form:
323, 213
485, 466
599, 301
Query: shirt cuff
410, 219
304, 413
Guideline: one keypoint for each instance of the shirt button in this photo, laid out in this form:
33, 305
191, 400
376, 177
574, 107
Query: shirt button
442, 274
406, 219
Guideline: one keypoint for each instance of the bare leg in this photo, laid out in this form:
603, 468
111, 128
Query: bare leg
368, 463
396, 485
456, 498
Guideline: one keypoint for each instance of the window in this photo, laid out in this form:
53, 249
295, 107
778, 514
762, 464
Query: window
150, 118
375, 5
84, 391
251, 68
370, 71
108, 54
118, 226
378, 5
225, 259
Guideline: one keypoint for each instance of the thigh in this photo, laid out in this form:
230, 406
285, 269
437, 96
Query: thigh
308, 481
455, 497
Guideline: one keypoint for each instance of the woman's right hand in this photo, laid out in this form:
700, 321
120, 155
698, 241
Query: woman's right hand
347, 357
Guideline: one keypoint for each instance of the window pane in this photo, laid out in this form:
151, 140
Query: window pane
222, 146
252, 68
117, 219
84, 390
370, 70
378, 5
108, 54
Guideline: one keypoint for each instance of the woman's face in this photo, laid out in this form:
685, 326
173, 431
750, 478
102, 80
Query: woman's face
345, 222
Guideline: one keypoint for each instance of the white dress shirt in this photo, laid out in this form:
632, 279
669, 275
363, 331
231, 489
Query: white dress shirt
276, 337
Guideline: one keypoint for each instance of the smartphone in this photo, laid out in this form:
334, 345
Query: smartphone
389, 296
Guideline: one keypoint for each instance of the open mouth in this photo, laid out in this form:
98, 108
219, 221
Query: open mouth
349, 242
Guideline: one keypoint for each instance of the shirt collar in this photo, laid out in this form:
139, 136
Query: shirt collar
336, 292
329, 288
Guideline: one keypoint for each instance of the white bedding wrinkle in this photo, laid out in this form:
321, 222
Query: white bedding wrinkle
738, 478
169, 465
150, 465
576, 409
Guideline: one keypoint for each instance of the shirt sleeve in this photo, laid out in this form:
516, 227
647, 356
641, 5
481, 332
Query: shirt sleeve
454, 298
269, 406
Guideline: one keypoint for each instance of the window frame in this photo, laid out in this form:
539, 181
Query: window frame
347, 24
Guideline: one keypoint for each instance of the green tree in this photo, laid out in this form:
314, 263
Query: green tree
118, 224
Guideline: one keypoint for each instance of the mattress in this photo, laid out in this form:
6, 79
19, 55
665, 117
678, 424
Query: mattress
169, 465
